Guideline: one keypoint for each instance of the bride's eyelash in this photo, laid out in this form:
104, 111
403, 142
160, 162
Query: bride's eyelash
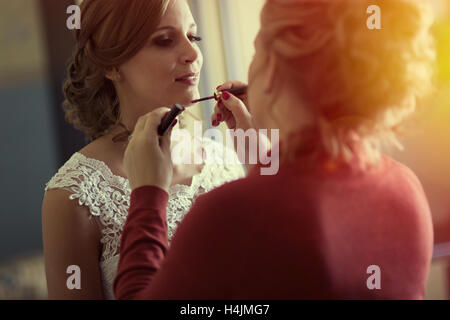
163, 41
195, 38
167, 41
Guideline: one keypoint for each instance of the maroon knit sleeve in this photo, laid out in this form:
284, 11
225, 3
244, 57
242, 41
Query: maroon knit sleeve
144, 242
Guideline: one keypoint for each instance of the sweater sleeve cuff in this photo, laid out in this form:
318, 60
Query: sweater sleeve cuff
149, 197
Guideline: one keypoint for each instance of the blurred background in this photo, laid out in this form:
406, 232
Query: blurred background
35, 45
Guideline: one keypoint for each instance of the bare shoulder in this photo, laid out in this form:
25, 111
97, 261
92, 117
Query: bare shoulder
70, 238
64, 215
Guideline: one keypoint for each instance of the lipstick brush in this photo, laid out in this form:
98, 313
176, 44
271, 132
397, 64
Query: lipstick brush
217, 95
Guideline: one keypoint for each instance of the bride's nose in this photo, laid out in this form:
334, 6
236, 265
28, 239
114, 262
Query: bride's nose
190, 53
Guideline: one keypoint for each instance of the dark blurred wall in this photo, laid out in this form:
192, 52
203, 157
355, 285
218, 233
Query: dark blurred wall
35, 45
28, 157
59, 42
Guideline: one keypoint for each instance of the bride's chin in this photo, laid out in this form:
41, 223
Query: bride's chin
187, 101
188, 104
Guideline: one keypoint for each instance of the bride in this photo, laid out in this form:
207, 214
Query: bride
131, 58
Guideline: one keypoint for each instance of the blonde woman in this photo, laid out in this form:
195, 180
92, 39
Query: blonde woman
132, 56
340, 220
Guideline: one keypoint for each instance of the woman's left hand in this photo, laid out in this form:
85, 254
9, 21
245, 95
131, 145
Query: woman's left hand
147, 158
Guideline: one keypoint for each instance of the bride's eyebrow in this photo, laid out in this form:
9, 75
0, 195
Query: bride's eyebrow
172, 27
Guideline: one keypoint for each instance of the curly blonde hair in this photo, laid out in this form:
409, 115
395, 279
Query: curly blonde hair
356, 82
111, 33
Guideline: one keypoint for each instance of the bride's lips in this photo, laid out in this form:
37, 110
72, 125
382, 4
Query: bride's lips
189, 79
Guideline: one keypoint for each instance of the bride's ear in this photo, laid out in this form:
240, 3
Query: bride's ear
271, 73
113, 74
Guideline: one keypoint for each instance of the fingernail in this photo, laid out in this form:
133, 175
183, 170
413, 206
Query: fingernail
219, 117
225, 95
218, 87
214, 123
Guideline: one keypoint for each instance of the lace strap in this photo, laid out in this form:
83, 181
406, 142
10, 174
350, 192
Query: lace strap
107, 196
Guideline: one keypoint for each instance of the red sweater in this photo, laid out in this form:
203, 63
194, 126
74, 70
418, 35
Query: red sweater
305, 233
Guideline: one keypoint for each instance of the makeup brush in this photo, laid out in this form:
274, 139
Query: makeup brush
217, 95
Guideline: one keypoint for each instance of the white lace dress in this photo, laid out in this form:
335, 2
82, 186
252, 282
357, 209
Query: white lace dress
108, 198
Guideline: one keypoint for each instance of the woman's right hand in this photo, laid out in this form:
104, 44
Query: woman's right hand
147, 158
235, 112
232, 110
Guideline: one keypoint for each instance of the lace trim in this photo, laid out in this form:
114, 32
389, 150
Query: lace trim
107, 195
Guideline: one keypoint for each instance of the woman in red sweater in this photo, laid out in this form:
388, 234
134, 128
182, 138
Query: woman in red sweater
339, 220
